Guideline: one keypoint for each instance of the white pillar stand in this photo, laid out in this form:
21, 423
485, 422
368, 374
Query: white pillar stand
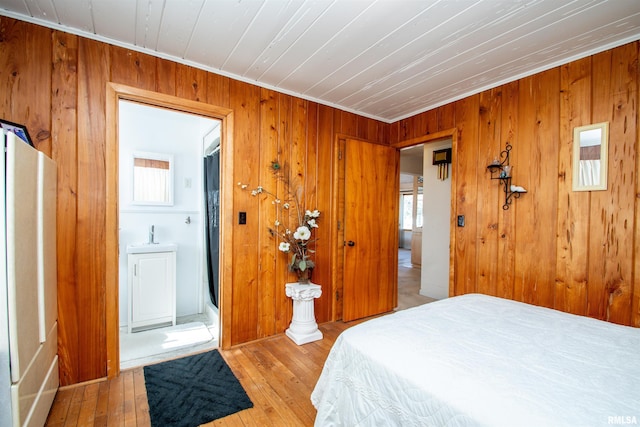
303, 328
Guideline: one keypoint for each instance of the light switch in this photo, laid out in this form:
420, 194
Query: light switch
460, 220
242, 217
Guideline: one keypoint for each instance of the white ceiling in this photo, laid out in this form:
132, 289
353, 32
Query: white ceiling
385, 59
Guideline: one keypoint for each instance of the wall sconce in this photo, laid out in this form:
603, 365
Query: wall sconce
503, 171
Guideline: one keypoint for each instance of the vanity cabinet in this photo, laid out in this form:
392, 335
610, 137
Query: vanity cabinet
152, 289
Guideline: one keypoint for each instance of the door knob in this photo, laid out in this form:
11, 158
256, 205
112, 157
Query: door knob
351, 243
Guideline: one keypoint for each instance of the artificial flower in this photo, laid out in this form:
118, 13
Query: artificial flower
302, 233
313, 214
284, 246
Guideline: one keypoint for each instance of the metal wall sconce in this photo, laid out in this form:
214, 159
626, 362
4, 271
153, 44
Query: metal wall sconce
502, 170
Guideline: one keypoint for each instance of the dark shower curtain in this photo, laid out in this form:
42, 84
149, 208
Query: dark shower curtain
212, 229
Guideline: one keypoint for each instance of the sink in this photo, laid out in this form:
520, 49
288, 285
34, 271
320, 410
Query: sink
147, 248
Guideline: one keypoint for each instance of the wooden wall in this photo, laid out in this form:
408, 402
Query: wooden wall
577, 252
55, 83
573, 251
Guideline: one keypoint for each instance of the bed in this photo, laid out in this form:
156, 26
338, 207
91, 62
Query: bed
482, 361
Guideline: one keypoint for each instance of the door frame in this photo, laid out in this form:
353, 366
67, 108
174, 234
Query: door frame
114, 93
434, 137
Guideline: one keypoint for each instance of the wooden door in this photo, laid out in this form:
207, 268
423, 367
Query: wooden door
371, 229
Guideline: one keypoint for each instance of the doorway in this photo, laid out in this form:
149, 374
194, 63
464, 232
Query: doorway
410, 228
410, 237
162, 205
424, 245
116, 93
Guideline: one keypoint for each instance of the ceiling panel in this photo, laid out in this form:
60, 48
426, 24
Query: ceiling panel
75, 14
18, 6
379, 58
309, 35
476, 35
176, 29
427, 41
219, 29
122, 28
42, 9
148, 21
280, 23
348, 46
385, 56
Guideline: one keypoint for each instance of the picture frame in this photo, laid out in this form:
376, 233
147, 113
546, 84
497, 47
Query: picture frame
19, 130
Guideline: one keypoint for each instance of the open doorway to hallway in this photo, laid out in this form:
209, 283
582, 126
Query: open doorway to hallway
410, 232
425, 217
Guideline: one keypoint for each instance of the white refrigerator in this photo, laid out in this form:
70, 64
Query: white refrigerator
28, 294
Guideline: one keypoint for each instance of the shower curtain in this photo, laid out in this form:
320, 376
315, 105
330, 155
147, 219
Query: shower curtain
212, 225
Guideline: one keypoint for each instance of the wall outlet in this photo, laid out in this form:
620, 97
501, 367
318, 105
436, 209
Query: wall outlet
242, 217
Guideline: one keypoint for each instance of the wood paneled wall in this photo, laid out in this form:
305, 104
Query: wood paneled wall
573, 251
55, 83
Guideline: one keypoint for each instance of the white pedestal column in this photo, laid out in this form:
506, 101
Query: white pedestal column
303, 328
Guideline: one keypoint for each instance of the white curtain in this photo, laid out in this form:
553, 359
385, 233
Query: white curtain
589, 172
151, 184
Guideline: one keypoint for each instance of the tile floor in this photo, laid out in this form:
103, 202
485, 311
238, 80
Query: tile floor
191, 334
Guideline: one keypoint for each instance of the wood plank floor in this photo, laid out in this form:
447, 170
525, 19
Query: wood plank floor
278, 376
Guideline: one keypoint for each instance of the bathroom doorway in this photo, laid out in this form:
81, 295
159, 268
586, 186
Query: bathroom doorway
162, 204
116, 92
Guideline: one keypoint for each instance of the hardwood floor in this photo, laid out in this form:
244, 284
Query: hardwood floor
409, 282
277, 374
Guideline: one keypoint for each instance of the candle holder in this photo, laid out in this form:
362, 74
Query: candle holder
503, 171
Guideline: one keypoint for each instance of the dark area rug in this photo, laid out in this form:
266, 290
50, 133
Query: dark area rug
193, 390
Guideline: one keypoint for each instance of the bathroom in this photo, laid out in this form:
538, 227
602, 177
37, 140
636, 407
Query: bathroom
179, 141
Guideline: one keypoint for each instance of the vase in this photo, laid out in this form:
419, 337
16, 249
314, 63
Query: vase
304, 276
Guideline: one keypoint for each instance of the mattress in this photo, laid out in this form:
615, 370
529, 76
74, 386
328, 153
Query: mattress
476, 360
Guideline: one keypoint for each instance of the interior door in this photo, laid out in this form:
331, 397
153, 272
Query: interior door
371, 229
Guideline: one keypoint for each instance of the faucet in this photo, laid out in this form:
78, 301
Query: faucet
151, 235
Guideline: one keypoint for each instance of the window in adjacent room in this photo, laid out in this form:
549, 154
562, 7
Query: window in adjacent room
407, 211
408, 219
419, 210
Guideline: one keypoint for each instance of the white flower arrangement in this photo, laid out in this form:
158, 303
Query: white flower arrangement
294, 242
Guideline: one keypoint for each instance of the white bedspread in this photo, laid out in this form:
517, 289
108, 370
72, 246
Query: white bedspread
480, 360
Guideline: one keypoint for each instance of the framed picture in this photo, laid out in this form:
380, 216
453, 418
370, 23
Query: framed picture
19, 130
